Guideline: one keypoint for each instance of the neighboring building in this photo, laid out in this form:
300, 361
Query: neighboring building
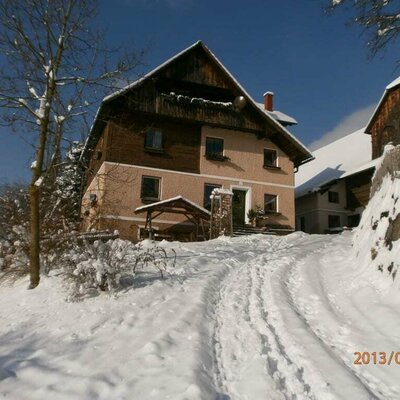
184, 129
384, 125
333, 189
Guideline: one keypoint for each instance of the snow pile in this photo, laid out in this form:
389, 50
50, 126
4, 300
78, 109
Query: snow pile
377, 240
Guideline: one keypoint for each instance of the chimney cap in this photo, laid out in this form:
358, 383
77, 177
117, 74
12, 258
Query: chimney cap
268, 93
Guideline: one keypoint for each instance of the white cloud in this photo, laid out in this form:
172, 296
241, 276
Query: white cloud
356, 120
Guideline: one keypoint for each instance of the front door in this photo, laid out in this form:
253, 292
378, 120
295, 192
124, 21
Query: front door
238, 207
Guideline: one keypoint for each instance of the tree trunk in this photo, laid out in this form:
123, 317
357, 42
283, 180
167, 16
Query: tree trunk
34, 192
34, 249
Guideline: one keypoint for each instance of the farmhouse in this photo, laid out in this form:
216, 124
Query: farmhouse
182, 130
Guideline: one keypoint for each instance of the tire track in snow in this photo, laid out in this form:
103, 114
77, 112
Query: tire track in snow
247, 343
254, 342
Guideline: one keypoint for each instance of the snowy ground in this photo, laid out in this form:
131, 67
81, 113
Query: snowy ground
245, 318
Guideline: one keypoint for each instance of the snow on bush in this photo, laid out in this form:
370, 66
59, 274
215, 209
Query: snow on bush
104, 266
14, 230
377, 240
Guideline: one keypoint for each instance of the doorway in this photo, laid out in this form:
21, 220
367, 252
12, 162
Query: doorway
239, 207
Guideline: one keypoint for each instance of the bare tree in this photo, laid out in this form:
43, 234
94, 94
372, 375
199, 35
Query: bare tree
380, 20
54, 67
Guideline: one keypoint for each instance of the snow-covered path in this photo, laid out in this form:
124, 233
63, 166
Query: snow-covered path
254, 318
286, 329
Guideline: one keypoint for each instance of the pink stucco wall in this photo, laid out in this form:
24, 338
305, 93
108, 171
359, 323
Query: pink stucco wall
118, 186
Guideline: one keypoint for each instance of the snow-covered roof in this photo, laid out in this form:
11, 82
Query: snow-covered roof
346, 155
171, 200
361, 168
300, 153
149, 74
279, 115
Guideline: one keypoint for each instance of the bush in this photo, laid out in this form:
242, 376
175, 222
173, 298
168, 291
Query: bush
103, 266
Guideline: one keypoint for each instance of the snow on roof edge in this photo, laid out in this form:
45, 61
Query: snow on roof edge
389, 87
278, 115
169, 200
393, 84
153, 71
370, 164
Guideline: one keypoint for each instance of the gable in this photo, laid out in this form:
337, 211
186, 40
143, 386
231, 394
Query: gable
198, 68
195, 86
384, 125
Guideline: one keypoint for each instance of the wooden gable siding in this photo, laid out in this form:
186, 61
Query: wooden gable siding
181, 144
386, 126
193, 76
358, 189
148, 99
197, 67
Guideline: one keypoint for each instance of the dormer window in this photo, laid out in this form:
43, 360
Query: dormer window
153, 141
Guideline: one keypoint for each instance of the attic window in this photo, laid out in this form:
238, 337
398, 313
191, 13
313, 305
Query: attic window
153, 141
270, 158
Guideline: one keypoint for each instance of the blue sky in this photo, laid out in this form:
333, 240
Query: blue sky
317, 66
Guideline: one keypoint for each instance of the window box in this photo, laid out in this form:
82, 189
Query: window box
271, 167
267, 212
216, 157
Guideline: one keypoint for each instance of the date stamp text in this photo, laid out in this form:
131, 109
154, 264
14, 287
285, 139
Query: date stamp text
376, 357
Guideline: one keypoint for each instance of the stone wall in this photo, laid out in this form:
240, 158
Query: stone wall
221, 213
390, 165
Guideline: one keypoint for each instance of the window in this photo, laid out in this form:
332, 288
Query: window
333, 197
214, 148
303, 224
270, 203
270, 158
208, 188
353, 220
150, 188
333, 221
153, 140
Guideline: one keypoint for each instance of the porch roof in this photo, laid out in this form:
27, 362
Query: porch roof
178, 205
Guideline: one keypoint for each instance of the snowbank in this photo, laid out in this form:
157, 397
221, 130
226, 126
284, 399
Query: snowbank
377, 240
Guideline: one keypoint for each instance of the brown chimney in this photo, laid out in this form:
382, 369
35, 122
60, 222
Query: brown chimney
268, 101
